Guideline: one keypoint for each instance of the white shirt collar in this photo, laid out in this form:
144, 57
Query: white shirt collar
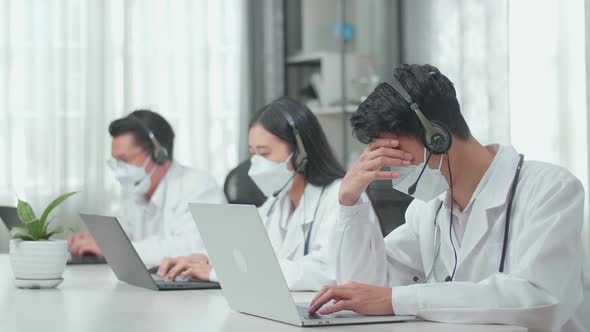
500, 173
158, 198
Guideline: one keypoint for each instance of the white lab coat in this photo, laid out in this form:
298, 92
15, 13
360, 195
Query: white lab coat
164, 227
545, 284
287, 236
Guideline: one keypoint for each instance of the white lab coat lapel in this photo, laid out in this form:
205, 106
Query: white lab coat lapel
300, 222
493, 195
272, 213
483, 216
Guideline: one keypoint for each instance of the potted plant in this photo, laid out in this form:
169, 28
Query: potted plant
37, 260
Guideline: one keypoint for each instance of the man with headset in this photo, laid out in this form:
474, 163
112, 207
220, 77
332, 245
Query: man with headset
157, 189
488, 238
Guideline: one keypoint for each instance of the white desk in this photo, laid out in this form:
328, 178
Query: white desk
92, 299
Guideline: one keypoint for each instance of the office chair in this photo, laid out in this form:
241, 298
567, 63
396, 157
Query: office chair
389, 204
240, 189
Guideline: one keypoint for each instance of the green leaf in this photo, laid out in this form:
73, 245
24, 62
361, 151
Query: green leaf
36, 230
21, 233
46, 225
25, 212
54, 204
59, 229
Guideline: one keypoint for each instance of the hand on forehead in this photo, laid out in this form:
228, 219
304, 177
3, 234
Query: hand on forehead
407, 144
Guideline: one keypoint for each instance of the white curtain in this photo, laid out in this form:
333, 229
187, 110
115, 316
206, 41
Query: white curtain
467, 41
548, 108
70, 67
519, 69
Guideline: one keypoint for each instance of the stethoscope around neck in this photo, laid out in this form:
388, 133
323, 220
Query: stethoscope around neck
307, 234
506, 230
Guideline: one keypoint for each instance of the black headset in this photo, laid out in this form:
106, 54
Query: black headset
436, 138
299, 160
300, 155
159, 153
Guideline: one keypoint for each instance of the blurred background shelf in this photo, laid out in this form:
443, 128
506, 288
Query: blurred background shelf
335, 51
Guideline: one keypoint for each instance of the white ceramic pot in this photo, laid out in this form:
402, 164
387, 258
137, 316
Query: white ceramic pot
38, 260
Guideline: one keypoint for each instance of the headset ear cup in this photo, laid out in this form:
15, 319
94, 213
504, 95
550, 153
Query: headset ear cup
156, 155
294, 162
444, 142
164, 154
303, 165
160, 155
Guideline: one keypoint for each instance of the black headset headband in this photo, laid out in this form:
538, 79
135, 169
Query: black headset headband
437, 138
159, 154
301, 157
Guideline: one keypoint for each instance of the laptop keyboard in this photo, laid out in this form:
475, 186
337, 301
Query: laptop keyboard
166, 281
86, 260
179, 283
342, 314
303, 313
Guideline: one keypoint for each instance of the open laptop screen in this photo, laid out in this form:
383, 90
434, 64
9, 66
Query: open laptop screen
10, 217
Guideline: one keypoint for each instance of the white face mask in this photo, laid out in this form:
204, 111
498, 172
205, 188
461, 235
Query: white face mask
270, 176
133, 179
431, 184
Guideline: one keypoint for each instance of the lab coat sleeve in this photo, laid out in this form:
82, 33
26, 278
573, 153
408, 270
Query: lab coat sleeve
357, 245
308, 273
402, 245
544, 287
181, 236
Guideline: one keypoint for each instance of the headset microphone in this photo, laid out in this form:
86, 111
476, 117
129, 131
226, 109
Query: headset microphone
301, 166
300, 154
412, 188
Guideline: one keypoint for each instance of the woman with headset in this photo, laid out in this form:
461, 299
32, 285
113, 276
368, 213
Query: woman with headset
295, 168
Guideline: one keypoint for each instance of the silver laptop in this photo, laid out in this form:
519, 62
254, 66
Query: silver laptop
10, 218
126, 263
249, 271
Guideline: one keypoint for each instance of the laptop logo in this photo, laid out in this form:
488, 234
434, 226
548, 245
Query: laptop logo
240, 261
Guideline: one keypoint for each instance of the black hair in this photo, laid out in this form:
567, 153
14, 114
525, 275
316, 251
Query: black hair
385, 111
138, 123
322, 167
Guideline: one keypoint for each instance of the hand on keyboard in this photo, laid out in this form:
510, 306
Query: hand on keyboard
303, 313
166, 280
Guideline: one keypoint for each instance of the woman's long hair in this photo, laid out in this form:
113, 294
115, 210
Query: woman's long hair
322, 166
